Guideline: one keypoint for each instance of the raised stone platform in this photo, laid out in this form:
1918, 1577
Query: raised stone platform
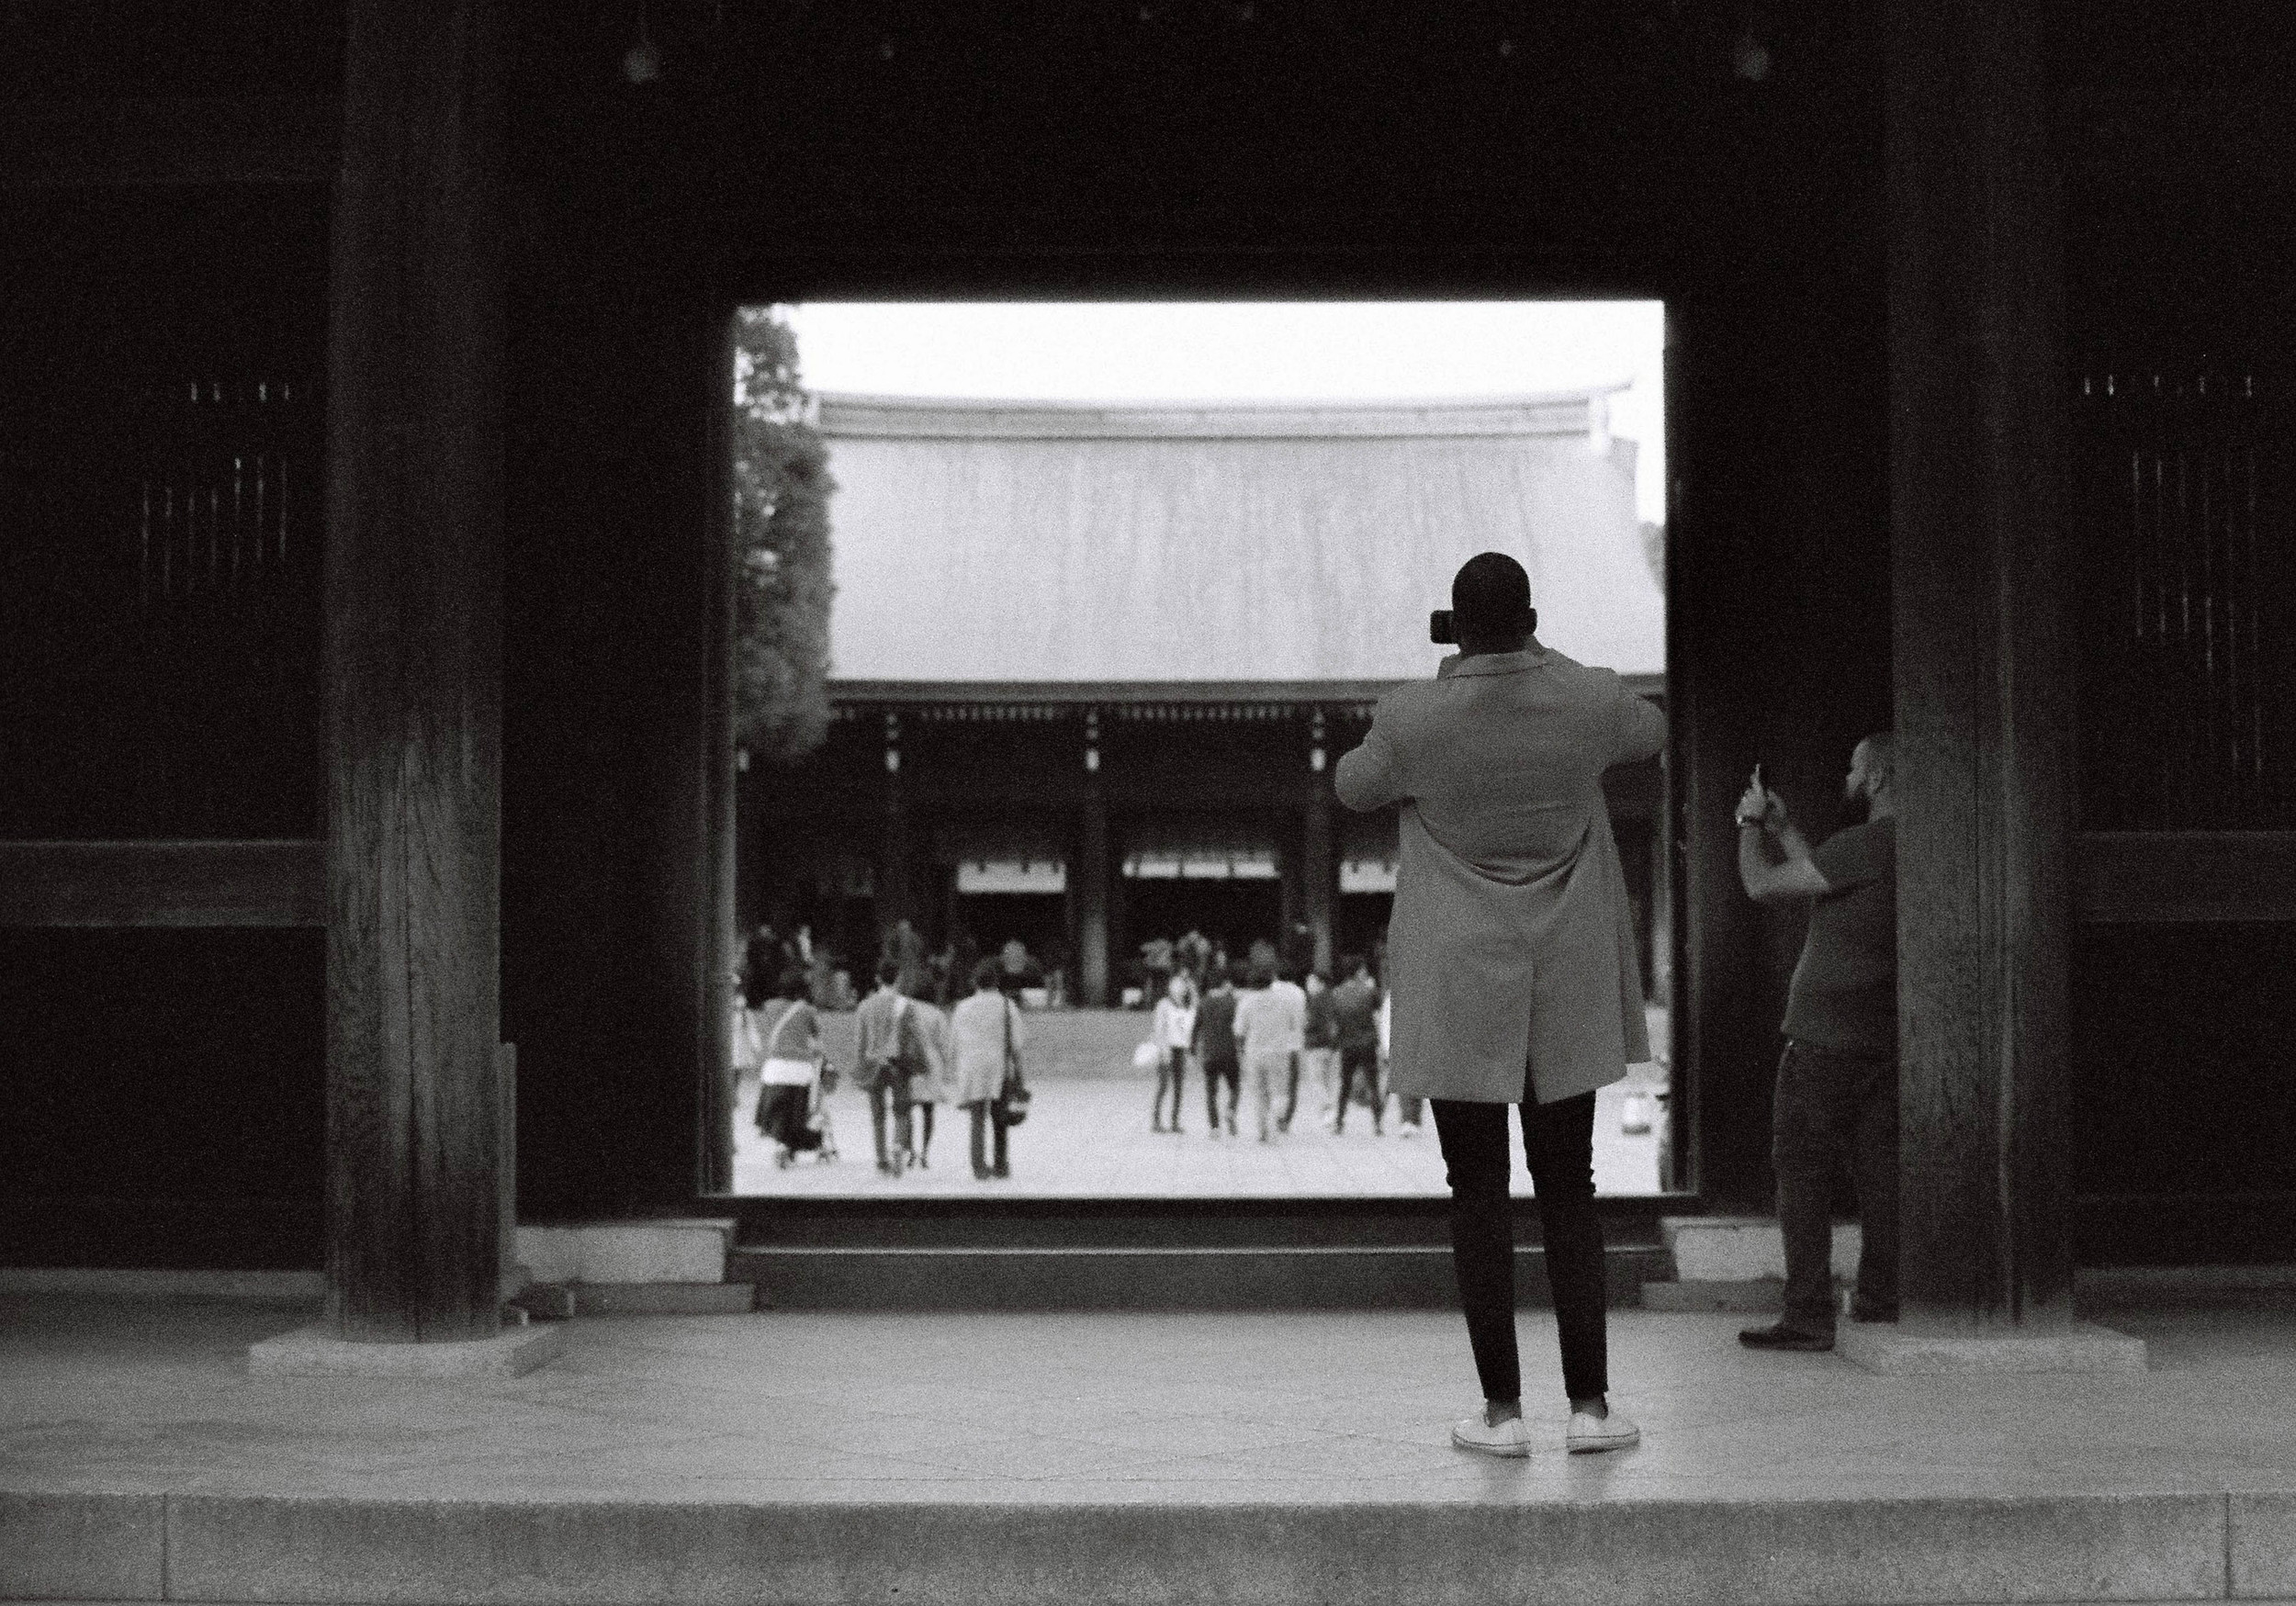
1908, 1348
316, 1352
1119, 1458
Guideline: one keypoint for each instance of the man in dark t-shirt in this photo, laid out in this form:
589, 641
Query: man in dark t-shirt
1837, 1092
1213, 1039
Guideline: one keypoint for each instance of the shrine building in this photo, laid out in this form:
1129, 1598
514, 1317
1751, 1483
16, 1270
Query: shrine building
1093, 662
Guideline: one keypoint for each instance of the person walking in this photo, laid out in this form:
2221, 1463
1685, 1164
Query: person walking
932, 1084
1355, 1012
885, 1059
986, 1037
1175, 1024
1319, 1053
1269, 1019
790, 1074
1294, 999
1512, 961
1409, 1109
1213, 1041
1837, 1089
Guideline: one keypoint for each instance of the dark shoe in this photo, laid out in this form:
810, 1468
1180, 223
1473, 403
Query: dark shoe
981, 1173
1001, 1171
1780, 1337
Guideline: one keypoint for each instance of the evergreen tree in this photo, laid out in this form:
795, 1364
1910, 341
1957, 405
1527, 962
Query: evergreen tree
782, 488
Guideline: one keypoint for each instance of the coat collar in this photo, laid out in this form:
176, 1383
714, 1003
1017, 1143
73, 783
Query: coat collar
1530, 657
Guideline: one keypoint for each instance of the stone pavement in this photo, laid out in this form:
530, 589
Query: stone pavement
1088, 1137
1167, 1458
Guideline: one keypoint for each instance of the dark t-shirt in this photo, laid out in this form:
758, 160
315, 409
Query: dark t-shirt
1844, 993
1215, 1027
1356, 1014
1323, 1027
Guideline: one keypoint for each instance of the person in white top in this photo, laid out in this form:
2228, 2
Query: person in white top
1270, 1027
790, 1071
1175, 1023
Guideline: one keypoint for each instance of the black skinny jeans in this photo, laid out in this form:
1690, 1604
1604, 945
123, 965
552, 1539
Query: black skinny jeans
1558, 1141
1215, 1072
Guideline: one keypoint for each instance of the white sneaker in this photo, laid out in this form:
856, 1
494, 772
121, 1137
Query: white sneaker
1589, 1432
1511, 1437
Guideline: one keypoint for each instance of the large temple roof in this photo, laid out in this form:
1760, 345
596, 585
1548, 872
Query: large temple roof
1124, 543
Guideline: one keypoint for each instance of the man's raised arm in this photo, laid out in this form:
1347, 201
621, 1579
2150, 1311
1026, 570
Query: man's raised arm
1366, 778
1641, 728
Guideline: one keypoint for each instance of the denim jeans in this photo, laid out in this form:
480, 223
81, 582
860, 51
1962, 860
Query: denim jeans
1834, 1107
890, 1098
1558, 1141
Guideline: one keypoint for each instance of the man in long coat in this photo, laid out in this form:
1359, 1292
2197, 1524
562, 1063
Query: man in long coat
1510, 960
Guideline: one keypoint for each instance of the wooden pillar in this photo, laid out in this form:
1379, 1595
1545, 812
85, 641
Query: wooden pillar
1319, 863
1984, 772
413, 665
1091, 872
721, 773
893, 844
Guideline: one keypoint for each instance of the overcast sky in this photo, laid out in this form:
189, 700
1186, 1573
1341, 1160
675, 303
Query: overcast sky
1224, 351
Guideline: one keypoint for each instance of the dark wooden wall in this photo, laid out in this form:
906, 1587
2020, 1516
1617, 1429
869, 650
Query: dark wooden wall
1193, 147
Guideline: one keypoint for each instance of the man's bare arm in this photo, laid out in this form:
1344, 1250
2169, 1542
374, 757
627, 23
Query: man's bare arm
1773, 878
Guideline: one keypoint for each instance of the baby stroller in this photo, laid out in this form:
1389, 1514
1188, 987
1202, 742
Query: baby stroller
817, 1120
797, 1117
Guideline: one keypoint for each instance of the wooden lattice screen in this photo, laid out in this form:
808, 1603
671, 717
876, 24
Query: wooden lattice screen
2183, 518
161, 610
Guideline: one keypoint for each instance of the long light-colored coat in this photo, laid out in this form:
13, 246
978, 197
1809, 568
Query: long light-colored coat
1511, 938
977, 1030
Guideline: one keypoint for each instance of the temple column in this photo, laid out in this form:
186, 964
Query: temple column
413, 682
893, 840
1983, 691
1091, 872
1318, 866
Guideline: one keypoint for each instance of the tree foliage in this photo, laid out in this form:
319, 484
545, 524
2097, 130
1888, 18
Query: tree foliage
782, 488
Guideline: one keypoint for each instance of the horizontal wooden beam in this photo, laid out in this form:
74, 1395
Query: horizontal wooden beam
2169, 877
1080, 693
164, 883
266, 139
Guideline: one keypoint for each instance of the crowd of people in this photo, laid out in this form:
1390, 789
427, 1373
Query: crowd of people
911, 1056
1264, 1042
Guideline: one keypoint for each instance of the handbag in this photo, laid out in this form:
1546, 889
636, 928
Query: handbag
1014, 1095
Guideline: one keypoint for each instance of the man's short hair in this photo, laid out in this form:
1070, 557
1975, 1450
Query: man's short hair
888, 972
986, 974
1263, 972
1881, 757
1490, 595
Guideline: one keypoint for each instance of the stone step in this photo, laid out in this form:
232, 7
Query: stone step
352, 1551
1157, 1278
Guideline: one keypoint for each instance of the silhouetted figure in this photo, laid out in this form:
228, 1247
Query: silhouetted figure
1512, 962
1213, 1040
790, 1074
1836, 1091
987, 1035
1355, 1028
888, 1055
1175, 1024
1269, 1019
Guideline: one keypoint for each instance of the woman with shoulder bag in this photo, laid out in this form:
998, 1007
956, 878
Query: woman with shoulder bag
985, 1033
789, 1079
